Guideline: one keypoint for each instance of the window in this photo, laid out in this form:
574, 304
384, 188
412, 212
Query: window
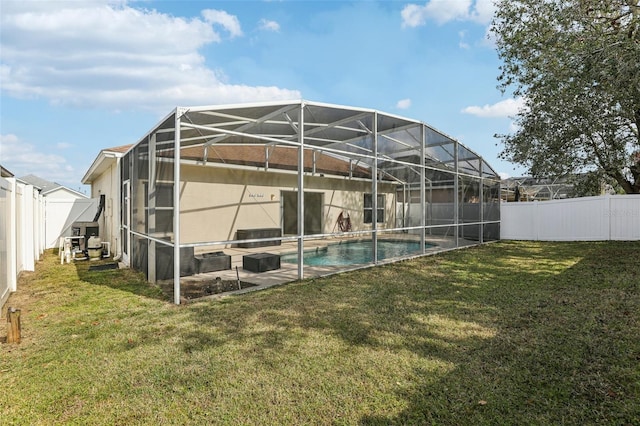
368, 208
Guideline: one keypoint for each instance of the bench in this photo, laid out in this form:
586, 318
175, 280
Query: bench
211, 262
164, 261
260, 262
253, 234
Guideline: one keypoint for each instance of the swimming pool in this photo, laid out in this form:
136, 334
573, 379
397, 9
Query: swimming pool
355, 252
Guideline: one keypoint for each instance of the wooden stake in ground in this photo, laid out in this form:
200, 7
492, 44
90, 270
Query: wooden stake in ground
13, 325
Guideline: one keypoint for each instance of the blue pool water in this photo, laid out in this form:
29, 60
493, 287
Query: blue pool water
355, 252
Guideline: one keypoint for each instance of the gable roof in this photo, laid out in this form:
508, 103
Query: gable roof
47, 187
122, 149
43, 184
103, 161
4, 172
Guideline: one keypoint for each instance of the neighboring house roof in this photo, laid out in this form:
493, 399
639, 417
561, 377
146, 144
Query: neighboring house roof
4, 172
47, 187
43, 184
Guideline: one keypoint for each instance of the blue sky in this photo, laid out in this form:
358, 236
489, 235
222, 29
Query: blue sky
80, 76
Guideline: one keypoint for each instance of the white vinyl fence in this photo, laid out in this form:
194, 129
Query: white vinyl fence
7, 275
31, 223
62, 212
21, 232
608, 217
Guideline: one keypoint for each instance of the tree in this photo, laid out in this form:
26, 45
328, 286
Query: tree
576, 64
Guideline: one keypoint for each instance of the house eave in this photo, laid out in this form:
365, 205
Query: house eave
102, 162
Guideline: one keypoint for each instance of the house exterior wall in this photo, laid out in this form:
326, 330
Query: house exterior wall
215, 202
240, 167
108, 184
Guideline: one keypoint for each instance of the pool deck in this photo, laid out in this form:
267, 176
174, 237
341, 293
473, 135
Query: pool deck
288, 272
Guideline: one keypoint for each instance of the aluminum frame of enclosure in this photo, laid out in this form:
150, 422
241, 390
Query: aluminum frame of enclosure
411, 180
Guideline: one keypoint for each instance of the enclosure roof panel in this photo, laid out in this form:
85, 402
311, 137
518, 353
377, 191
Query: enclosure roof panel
348, 132
273, 157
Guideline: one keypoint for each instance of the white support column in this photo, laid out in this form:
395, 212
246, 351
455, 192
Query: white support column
374, 196
176, 207
423, 206
456, 189
481, 201
301, 192
313, 168
151, 202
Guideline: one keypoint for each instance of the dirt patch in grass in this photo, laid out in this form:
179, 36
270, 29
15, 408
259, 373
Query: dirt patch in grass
197, 289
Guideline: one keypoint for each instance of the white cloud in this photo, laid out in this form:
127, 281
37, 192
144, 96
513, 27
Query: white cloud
514, 127
403, 103
506, 108
484, 10
443, 11
220, 17
463, 44
489, 39
107, 54
23, 158
267, 25
504, 175
63, 145
413, 16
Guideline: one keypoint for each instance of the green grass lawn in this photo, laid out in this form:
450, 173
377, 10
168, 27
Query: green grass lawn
507, 333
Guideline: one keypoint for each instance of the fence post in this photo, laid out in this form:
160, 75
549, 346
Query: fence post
13, 325
607, 199
536, 220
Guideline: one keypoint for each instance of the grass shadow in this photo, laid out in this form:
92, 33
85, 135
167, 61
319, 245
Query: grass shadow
525, 328
101, 272
512, 332
563, 351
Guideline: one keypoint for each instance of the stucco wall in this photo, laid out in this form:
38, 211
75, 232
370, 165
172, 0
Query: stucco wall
108, 184
216, 202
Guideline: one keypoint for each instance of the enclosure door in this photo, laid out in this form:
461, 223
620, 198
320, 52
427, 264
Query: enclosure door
126, 220
312, 213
